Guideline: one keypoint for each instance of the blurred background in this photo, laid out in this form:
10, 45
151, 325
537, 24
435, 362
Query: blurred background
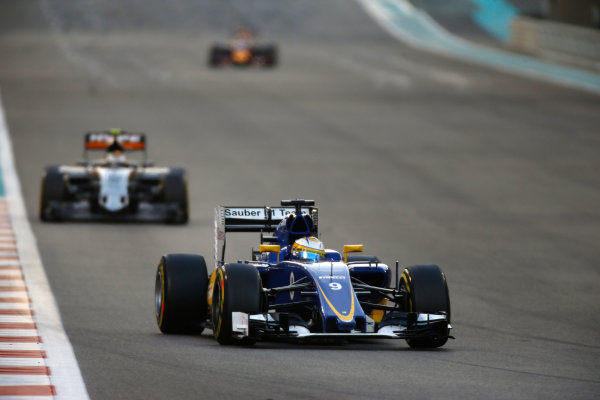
460, 133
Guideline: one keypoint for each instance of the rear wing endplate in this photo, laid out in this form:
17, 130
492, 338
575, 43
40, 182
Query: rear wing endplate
250, 219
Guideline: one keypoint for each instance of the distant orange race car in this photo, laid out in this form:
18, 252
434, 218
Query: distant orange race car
243, 51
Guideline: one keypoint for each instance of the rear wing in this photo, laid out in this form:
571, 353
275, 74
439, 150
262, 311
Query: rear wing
101, 140
254, 219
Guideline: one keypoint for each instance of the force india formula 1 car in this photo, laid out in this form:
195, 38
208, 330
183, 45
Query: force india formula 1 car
113, 187
295, 289
243, 51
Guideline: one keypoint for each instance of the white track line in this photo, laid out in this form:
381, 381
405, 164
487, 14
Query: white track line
66, 375
415, 27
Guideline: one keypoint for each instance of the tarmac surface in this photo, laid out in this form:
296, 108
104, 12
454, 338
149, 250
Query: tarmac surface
423, 159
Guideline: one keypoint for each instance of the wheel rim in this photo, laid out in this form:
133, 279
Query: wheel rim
216, 303
403, 285
158, 293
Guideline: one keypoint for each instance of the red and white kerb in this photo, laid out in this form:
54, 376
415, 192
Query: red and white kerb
23, 369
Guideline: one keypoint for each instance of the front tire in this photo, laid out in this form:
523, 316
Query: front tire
180, 293
238, 287
216, 55
427, 293
213, 57
53, 190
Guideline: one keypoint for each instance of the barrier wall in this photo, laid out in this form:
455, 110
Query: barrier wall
557, 42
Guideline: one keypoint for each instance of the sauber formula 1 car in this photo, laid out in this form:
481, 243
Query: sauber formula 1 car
295, 289
113, 187
243, 51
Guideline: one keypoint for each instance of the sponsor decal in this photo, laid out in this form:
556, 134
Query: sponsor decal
107, 137
344, 315
245, 213
254, 213
332, 277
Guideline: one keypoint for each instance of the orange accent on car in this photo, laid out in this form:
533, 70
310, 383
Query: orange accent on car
241, 56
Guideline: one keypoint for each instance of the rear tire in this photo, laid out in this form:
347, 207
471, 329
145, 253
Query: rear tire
271, 58
176, 194
53, 189
238, 287
180, 293
428, 293
212, 57
216, 55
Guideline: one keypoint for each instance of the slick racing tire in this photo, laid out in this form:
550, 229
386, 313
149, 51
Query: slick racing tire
216, 54
176, 194
180, 293
237, 287
213, 60
53, 189
428, 293
271, 58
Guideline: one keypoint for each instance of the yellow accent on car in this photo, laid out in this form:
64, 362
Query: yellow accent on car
410, 304
345, 318
211, 287
217, 328
377, 315
270, 248
352, 248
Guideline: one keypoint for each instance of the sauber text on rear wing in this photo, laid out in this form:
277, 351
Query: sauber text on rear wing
250, 219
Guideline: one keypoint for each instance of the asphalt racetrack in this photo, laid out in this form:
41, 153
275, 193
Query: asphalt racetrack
424, 159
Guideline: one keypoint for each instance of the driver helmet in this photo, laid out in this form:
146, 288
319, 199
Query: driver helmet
308, 249
115, 146
115, 152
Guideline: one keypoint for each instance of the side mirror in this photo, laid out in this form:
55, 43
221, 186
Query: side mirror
352, 248
270, 248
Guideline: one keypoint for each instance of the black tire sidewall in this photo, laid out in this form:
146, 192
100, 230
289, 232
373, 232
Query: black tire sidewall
238, 287
184, 281
53, 188
176, 192
428, 293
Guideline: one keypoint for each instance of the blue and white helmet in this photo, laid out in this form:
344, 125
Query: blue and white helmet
308, 249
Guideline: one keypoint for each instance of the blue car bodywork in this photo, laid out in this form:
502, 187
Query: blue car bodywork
340, 296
